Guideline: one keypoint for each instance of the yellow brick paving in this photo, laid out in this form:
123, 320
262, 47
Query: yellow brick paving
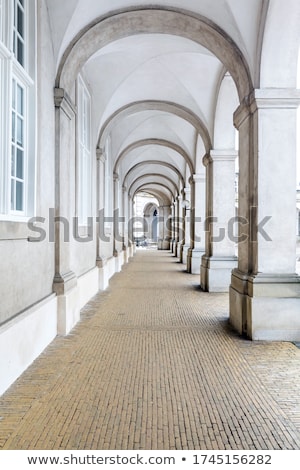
153, 364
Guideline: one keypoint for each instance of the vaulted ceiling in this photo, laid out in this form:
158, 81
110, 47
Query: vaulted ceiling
155, 82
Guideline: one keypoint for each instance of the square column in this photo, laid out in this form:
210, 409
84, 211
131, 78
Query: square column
118, 237
219, 258
178, 226
101, 262
265, 291
197, 223
65, 280
173, 227
186, 213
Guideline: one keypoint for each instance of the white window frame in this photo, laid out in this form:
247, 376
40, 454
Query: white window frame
11, 69
84, 154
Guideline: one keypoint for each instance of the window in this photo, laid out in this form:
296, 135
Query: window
17, 110
19, 31
84, 168
18, 163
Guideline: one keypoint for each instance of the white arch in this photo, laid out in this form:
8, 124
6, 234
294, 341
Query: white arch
154, 20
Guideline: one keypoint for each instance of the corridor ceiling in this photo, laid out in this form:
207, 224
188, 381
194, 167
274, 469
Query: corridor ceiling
155, 74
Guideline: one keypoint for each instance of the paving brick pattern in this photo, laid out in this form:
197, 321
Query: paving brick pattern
153, 364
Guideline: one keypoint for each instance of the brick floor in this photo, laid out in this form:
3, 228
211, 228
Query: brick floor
153, 364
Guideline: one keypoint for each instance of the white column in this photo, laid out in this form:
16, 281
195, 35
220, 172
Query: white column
160, 227
65, 281
187, 216
101, 261
265, 291
178, 226
197, 222
117, 226
173, 229
125, 243
131, 243
219, 258
167, 227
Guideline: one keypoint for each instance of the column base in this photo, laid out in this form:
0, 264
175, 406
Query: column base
184, 254
172, 245
177, 249
216, 273
119, 260
265, 307
68, 308
180, 254
68, 311
194, 260
103, 274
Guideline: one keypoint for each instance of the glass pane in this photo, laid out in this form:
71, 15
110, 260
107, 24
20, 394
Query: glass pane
13, 160
20, 52
19, 196
12, 195
20, 22
13, 96
13, 127
20, 131
20, 100
20, 159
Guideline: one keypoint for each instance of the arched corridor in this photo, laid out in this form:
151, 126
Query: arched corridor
146, 370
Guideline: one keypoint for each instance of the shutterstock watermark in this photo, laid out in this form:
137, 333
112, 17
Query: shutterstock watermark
107, 228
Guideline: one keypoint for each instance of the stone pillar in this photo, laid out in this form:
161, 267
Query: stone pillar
197, 222
219, 259
178, 226
173, 234
117, 225
187, 216
101, 262
160, 227
131, 243
125, 241
265, 291
65, 281
167, 228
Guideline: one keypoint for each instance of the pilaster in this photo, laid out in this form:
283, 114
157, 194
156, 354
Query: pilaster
265, 291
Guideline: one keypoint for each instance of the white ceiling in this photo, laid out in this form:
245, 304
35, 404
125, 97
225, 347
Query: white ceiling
160, 69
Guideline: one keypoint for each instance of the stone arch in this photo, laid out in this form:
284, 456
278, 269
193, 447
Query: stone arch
153, 141
156, 182
178, 22
151, 105
155, 162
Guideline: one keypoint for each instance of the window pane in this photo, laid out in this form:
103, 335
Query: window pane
19, 196
12, 195
20, 26
13, 161
20, 131
20, 52
13, 127
13, 96
20, 100
20, 159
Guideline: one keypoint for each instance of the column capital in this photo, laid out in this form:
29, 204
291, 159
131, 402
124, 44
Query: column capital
124, 188
266, 98
206, 159
226, 155
116, 176
63, 101
197, 178
100, 154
